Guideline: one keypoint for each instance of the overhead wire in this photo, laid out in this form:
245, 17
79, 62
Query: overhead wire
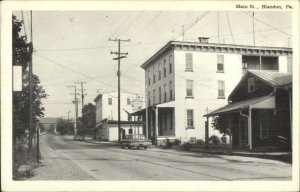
78, 73
230, 27
267, 24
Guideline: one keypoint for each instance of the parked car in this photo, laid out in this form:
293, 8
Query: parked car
137, 141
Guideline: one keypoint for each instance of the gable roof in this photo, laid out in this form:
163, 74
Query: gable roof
272, 78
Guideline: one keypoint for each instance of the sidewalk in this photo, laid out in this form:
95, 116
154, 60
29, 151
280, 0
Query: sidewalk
279, 156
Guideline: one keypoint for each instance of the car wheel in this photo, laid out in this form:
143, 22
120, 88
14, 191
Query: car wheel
138, 147
145, 147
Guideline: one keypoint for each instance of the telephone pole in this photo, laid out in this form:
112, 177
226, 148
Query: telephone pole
82, 104
76, 109
30, 89
120, 56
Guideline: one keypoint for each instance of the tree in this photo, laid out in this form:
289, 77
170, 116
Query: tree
221, 123
64, 126
89, 115
21, 57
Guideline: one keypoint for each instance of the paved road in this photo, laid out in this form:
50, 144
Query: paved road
77, 160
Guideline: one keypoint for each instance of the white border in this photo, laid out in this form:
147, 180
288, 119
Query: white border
6, 105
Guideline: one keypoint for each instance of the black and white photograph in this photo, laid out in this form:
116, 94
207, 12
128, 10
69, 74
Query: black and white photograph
159, 96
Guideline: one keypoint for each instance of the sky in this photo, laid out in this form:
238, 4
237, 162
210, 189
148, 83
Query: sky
73, 46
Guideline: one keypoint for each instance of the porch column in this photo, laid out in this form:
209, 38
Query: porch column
250, 127
156, 121
147, 121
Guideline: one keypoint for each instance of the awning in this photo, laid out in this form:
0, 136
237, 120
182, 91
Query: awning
168, 104
97, 126
265, 102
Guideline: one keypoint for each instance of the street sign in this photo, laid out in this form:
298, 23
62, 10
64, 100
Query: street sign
137, 104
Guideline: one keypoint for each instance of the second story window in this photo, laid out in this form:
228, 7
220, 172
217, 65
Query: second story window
153, 74
165, 68
170, 89
189, 88
109, 101
149, 80
221, 90
220, 63
159, 94
189, 61
149, 100
251, 85
170, 64
159, 71
128, 101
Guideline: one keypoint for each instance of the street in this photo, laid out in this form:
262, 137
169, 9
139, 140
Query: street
65, 159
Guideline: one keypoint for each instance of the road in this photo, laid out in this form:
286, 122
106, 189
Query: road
65, 159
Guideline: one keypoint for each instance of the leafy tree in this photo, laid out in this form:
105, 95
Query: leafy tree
220, 123
89, 115
51, 129
21, 57
64, 126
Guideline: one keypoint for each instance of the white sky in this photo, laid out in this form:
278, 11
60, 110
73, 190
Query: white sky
73, 46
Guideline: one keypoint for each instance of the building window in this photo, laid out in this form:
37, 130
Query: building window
159, 93
251, 85
110, 101
189, 61
170, 64
128, 101
165, 68
149, 80
264, 125
190, 118
130, 131
221, 90
153, 74
189, 88
170, 90
153, 96
165, 93
220, 63
159, 71
149, 98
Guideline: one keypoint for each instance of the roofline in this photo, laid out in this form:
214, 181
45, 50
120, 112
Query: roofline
216, 45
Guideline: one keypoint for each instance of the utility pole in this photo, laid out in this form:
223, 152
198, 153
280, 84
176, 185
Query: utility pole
76, 109
82, 104
30, 89
253, 29
119, 85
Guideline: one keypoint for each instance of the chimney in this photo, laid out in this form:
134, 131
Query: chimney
203, 39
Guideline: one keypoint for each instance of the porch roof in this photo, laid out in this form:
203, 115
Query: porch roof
264, 102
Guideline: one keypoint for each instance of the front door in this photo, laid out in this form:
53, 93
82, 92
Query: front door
243, 129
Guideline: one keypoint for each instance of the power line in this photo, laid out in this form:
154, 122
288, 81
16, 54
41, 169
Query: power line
76, 72
230, 27
267, 24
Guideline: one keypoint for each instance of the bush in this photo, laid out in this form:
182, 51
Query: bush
200, 142
177, 142
214, 140
186, 146
169, 144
